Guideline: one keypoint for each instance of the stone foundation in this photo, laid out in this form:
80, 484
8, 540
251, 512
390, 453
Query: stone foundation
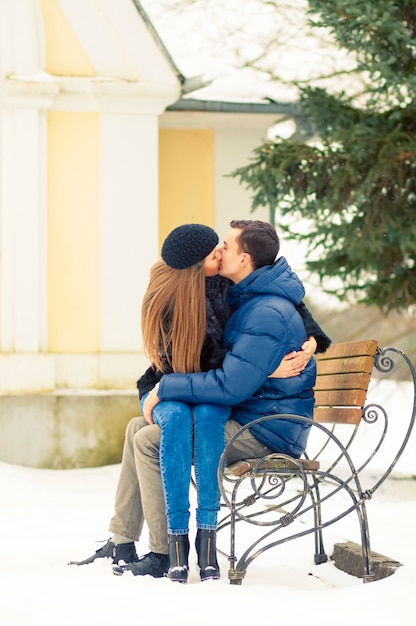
67, 429
348, 558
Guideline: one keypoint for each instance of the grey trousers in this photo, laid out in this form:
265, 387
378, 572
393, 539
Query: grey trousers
139, 495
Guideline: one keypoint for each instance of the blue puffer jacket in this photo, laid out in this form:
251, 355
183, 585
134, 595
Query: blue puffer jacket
263, 328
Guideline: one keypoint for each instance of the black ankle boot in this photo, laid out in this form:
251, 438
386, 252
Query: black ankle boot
178, 558
152, 563
206, 549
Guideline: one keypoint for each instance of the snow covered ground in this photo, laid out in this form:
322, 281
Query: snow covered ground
49, 517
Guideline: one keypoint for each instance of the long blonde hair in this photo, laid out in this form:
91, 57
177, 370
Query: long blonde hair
173, 319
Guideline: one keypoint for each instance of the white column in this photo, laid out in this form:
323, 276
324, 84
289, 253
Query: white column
23, 221
7, 233
129, 223
29, 256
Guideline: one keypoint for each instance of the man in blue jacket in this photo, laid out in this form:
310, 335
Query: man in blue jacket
264, 327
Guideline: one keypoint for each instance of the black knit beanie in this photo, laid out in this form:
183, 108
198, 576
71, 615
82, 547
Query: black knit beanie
187, 245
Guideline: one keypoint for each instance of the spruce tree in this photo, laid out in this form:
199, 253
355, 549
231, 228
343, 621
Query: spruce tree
354, 182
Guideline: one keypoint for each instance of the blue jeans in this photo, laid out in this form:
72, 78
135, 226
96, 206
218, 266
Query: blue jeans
190, 433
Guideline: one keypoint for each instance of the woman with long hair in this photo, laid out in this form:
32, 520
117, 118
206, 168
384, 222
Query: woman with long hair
182, 323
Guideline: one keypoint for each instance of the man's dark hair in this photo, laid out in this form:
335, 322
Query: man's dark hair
258, 239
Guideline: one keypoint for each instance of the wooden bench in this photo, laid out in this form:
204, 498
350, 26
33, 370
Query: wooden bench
333, 479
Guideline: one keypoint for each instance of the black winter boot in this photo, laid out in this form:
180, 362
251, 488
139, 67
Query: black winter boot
117, 552
152, 563
178, 558
206, 549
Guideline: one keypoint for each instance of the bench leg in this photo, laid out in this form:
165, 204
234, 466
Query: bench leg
236, 576
320, 555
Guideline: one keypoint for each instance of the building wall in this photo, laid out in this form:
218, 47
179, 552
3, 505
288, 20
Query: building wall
233, 136
82, 85
93, 175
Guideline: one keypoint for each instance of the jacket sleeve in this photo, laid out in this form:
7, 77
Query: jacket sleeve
255, 353
148, 380
313, 329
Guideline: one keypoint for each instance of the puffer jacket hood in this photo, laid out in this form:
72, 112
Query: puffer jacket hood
277, 279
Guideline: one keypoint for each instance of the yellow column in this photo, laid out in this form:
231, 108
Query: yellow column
186, 178
73, 232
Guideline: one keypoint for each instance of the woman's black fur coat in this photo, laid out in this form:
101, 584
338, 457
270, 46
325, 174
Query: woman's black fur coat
218, 312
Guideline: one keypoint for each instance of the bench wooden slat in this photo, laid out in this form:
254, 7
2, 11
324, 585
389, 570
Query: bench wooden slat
347, 349
347, 397
242, 467
337, 415
345, 365
356, 380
